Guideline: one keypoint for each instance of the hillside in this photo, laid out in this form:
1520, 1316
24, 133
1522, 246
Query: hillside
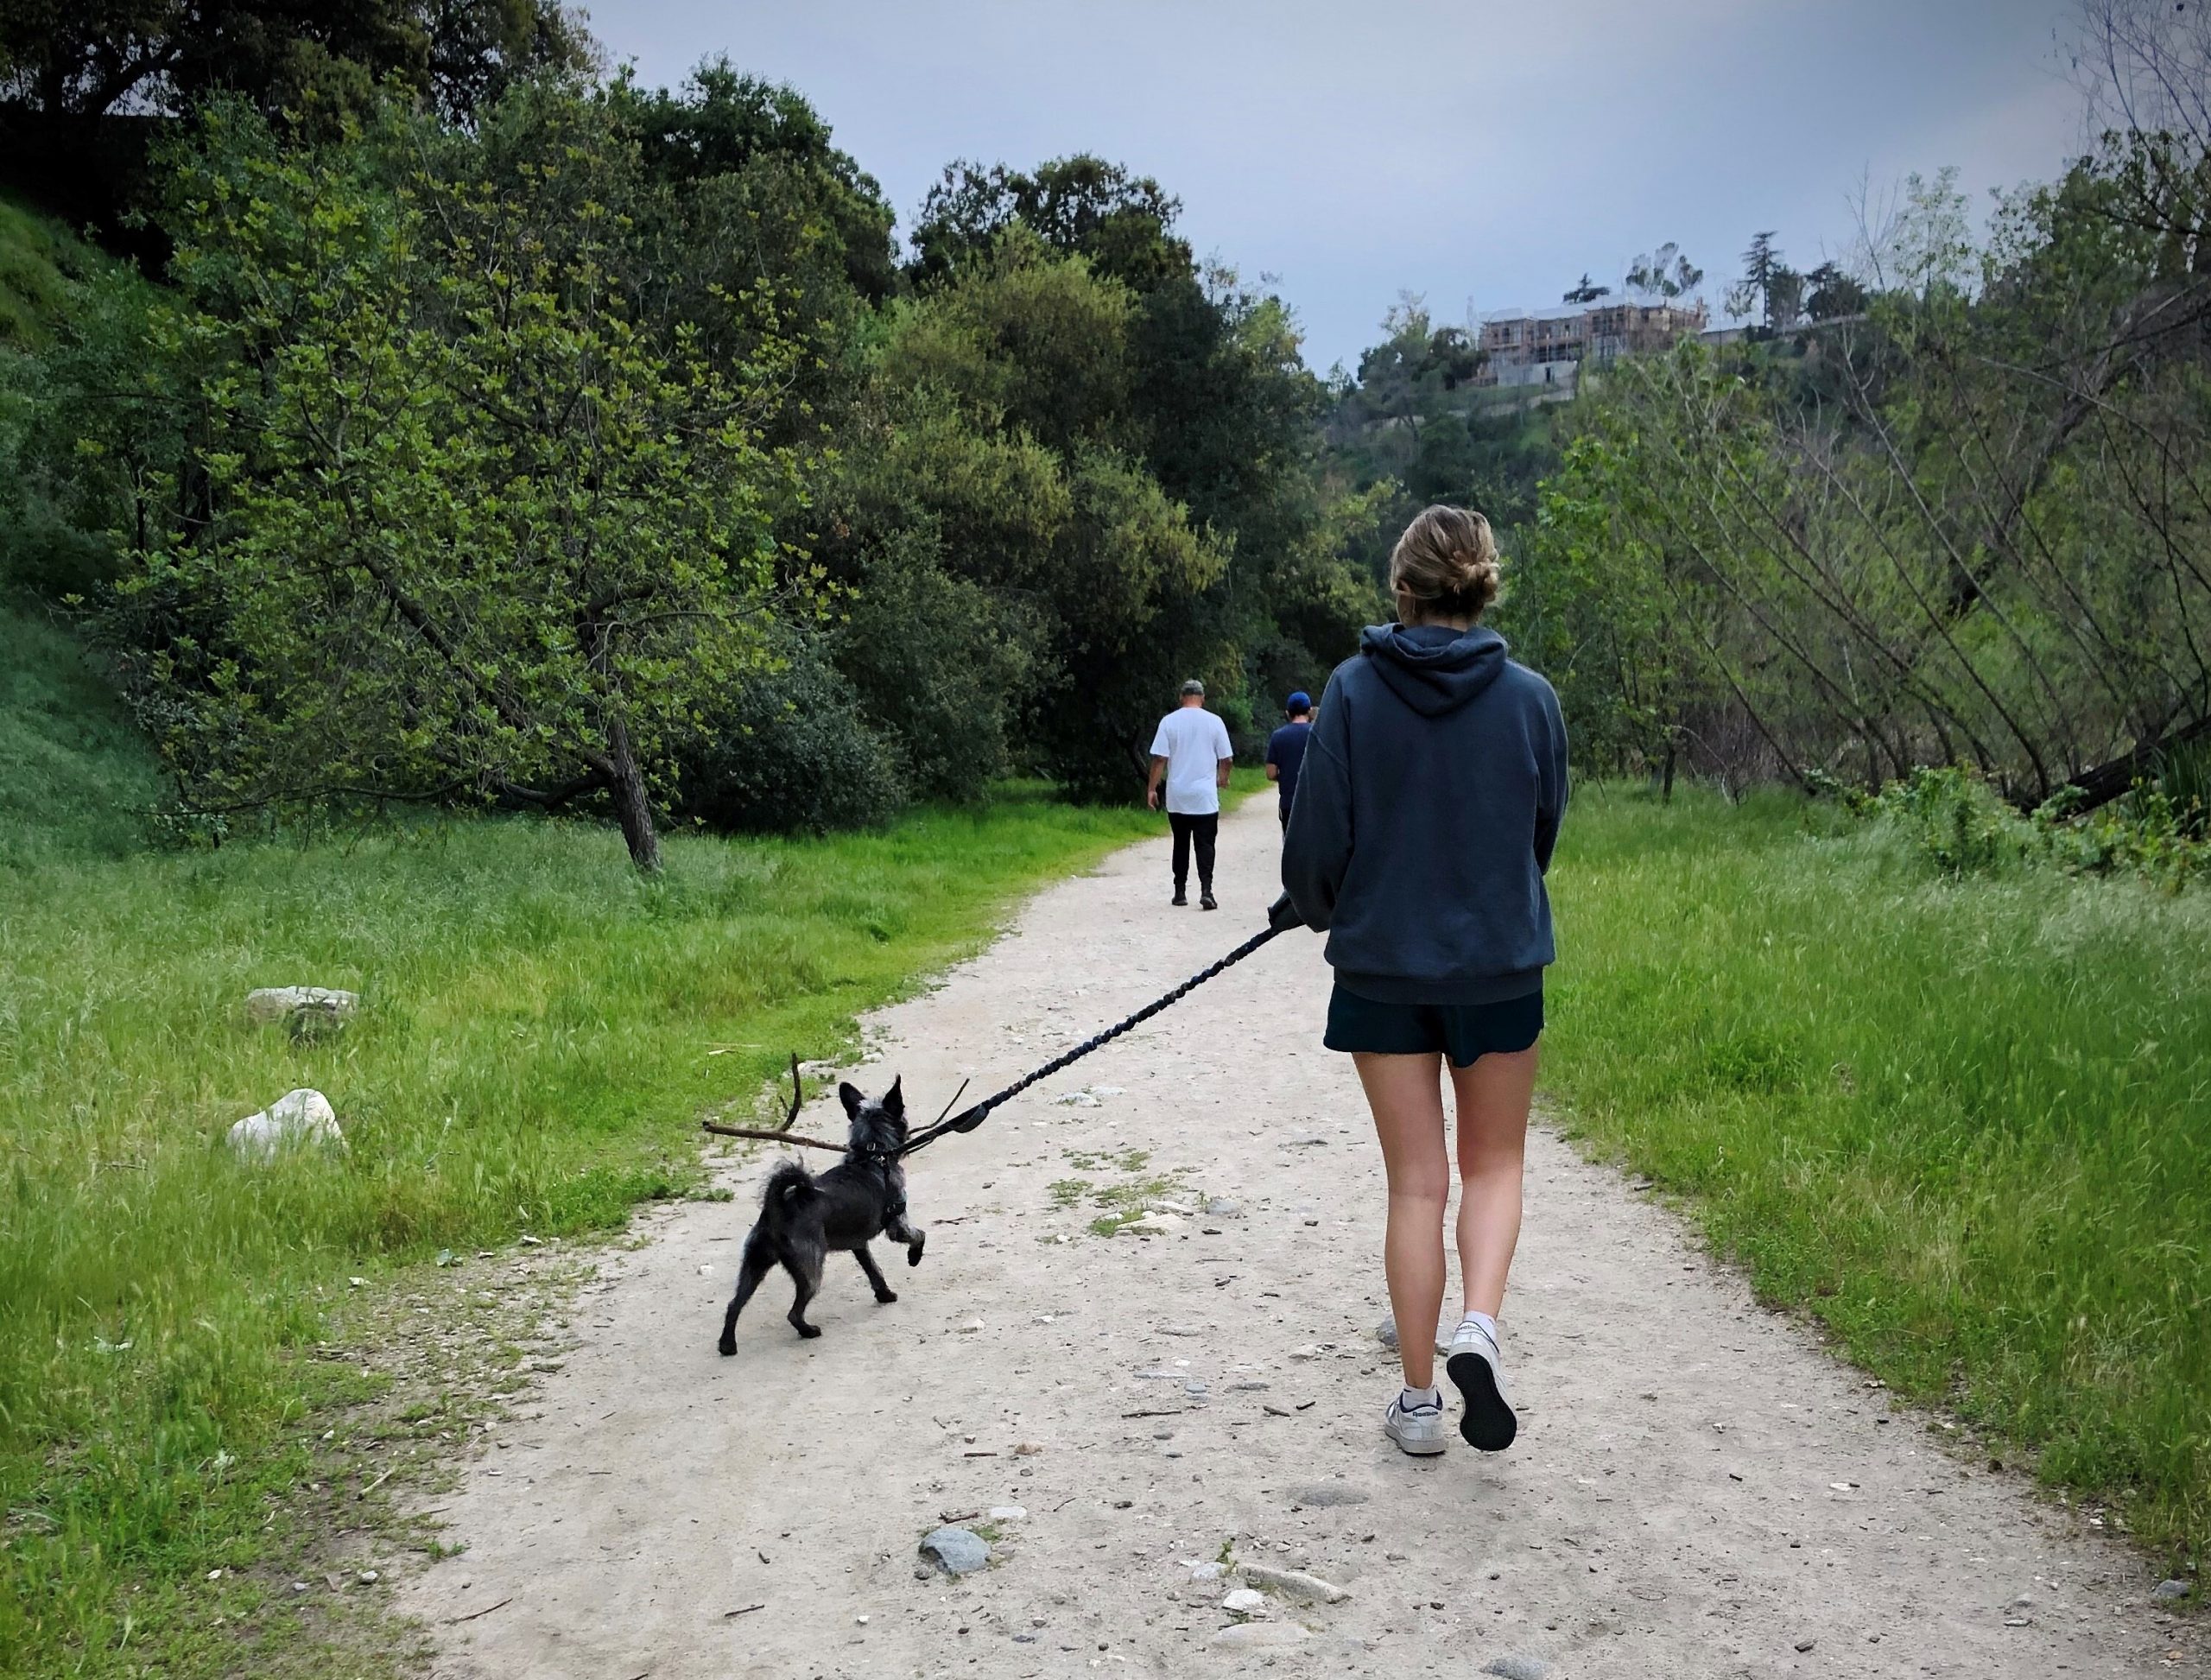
39, 258
73, 770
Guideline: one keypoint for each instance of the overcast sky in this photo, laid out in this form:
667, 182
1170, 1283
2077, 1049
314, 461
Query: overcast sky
1483, 152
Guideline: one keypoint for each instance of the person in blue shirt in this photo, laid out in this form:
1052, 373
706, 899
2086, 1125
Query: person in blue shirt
1286, 748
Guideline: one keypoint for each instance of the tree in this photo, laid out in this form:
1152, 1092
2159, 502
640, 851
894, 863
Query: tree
460, 522
1587, 292
1831, 294
64, 58
1665, 272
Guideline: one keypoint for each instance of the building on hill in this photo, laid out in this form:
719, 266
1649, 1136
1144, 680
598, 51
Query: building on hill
1547, 347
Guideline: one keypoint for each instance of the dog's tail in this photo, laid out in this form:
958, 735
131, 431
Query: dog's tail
790, 1187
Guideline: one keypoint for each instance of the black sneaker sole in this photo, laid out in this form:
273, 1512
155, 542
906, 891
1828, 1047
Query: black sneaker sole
1486, 1422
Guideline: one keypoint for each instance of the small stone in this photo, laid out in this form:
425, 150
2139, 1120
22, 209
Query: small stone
1245, 1602
1221, 1207
970, 1326
1804, 1645
214, 1574
1386, 1333
957, 1550
368, 1577
1329, 1493
1514, 1666
301, 1004
1293, 1583
1208, 1571
299, 1586
2170, 1589
1008, 1514
297, 1118
1260, 1635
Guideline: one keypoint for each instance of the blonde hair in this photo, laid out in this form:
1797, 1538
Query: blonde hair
1446, 562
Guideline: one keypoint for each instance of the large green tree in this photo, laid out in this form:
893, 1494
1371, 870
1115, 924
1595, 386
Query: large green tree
463, 517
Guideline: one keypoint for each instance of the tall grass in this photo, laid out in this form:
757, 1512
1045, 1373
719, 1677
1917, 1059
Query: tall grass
541, 1029
1966, 1123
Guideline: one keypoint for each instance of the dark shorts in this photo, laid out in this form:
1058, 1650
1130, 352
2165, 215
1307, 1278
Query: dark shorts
1465, 1032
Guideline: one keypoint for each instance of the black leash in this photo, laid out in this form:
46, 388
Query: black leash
1280, 919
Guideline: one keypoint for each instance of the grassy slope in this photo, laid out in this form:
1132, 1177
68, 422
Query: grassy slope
38, 257
1964, 1124
535, 1049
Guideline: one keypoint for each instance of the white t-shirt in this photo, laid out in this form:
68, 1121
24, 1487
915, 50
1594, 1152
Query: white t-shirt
1192, 741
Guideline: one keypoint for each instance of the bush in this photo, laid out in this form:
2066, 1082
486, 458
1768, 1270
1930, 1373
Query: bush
943, 669
791, 754
1957, 820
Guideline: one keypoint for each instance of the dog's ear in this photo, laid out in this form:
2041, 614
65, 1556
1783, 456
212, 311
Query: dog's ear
852, 1096
894, 1099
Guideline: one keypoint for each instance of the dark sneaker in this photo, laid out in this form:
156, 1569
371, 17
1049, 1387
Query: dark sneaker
1205, 902
1486, 1421
1181, 900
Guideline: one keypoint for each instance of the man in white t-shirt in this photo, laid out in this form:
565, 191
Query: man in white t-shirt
1191, 751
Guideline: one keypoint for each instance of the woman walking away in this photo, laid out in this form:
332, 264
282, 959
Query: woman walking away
1427, 807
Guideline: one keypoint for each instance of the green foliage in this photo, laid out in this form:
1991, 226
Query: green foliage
792, 755
1959, 1121
86, 58
466, 519
1957, 822
541, 1027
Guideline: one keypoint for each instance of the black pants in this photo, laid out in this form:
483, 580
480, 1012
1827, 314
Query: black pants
1203, 829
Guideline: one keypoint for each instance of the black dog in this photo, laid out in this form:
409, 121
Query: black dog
803, 1217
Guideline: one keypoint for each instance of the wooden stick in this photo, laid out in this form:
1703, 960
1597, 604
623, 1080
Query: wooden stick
721, 1130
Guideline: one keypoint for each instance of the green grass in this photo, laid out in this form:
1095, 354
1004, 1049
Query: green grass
1965, 1124
540, 1031
38, 258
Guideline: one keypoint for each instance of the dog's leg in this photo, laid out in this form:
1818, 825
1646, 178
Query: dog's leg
883, 1292
899, 1228
758, 1259
806, 1276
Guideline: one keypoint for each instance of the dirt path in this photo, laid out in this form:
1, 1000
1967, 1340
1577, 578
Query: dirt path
1697, 1490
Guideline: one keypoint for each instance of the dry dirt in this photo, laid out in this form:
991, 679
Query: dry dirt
1698, 1489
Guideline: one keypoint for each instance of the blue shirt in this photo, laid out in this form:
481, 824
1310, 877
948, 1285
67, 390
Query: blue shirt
1286, 751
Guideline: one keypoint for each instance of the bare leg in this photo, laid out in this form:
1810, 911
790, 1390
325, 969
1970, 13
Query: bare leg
756, 1261
1406, 1093
1494, 1096
883, 1292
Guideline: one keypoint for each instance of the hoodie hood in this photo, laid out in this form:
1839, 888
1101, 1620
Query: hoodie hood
1432, 668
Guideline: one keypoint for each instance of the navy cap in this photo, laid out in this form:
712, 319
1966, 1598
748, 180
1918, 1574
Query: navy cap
1300, 701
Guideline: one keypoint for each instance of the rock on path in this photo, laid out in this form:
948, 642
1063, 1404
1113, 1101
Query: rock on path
1697, 1491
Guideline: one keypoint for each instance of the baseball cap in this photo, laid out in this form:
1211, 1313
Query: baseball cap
1300, 701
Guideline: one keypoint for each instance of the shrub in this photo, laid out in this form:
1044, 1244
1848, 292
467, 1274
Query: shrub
792, 753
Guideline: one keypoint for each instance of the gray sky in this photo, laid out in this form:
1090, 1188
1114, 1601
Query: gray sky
1481, 151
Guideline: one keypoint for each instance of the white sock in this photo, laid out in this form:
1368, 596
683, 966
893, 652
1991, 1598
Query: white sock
1419, 1397
1488, 1327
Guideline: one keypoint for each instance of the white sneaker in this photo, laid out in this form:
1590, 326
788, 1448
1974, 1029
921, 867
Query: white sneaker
1486, 1421
1416, 1429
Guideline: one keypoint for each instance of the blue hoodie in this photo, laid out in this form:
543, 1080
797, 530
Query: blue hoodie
1427, 807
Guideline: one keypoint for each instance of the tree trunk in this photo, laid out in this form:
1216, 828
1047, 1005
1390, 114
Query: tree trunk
632, 808
1666, 786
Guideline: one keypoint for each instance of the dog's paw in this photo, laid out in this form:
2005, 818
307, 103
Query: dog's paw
726, 1346
884, 1297
808, 1331
914, 1251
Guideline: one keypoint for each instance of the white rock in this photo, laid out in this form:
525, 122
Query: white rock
275, 1003
1008, 1514
1243, 1601
297, 1117
1293, 1583
1205, 1571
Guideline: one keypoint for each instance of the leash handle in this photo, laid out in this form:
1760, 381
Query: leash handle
968, 1119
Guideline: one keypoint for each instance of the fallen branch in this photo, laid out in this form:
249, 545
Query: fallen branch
485, 1611
721, 1130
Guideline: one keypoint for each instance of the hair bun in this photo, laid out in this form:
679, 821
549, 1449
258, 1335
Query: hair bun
1446, 560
